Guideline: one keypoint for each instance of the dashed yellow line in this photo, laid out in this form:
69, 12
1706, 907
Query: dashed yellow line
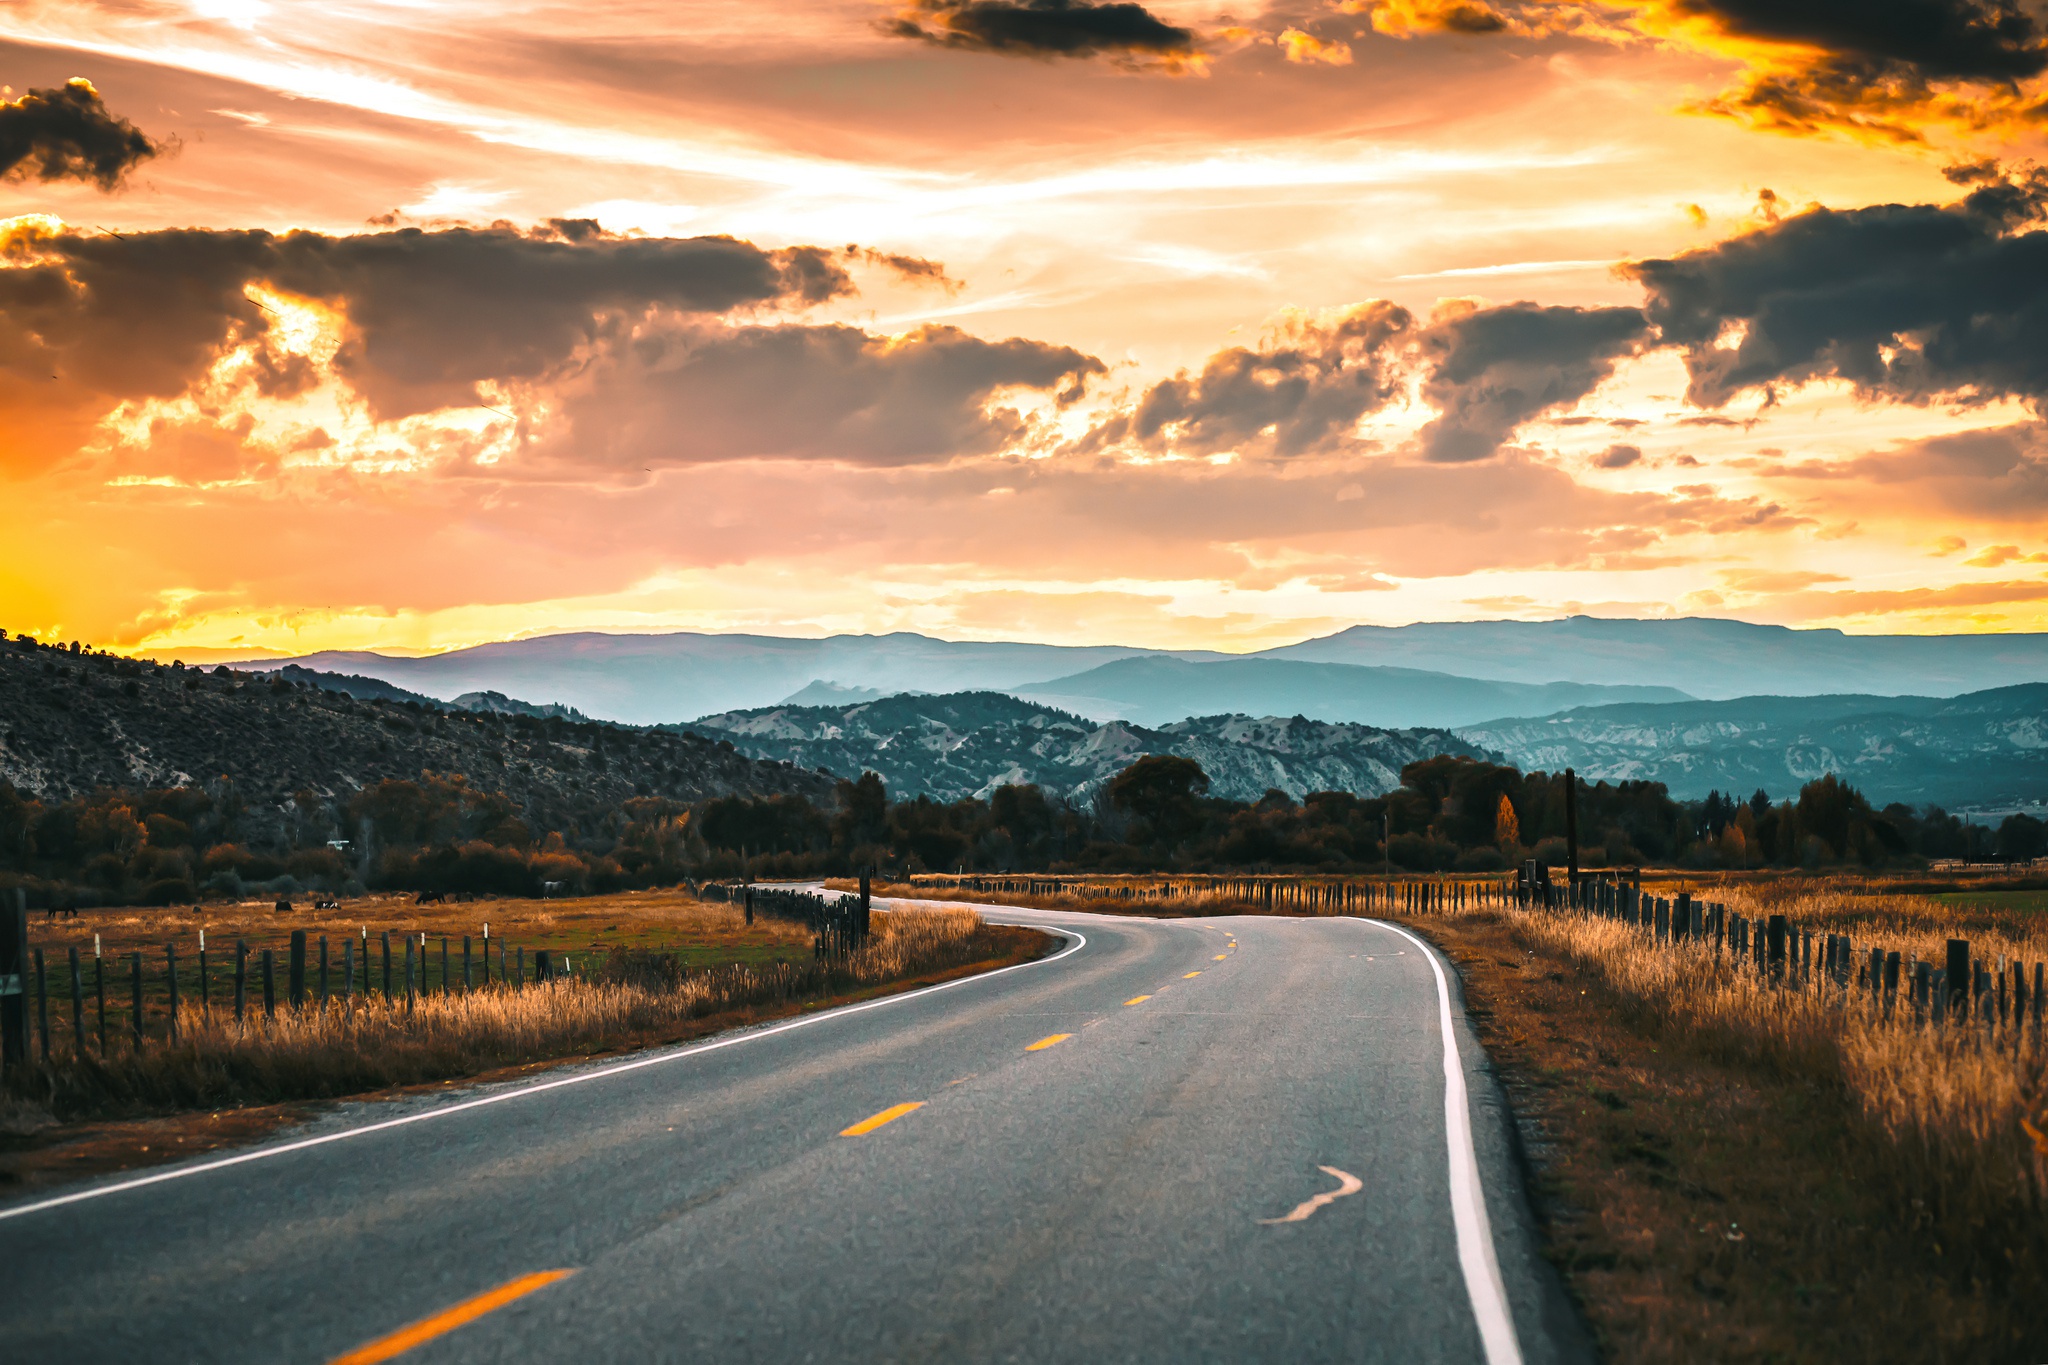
448, 1319
1221, 956
1191, 974
1043, 1043
889, 1115
1136, 1000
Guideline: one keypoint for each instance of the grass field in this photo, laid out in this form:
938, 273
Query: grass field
650, 967
2017, 902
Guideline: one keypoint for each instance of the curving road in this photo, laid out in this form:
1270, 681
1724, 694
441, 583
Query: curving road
1180, 1140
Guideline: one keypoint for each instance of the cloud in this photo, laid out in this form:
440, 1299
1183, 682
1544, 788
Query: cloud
1301, 389
1908, 302
1046, 28
1304, 48
1618, 457
694, 395
425, 316
1400, 18
67, 133
1496, 368
1884, 71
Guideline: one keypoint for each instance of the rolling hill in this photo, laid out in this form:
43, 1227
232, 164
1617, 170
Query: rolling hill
966, 744
1984, 749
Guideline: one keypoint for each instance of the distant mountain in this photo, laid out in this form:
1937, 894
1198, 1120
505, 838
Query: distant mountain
967, 744
649, 679
822, 692
498, 704
71, 724
1982, 749
1700, 656
1157, 691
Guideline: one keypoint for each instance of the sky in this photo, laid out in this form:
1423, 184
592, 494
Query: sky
401, 325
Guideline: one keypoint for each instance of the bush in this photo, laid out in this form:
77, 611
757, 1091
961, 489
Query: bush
1485, 858
169, 891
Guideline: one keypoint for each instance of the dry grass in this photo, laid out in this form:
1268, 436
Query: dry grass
1925, 1137
369, 1042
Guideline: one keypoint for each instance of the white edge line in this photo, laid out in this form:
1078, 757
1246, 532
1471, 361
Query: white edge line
1476, 1256
1080, 941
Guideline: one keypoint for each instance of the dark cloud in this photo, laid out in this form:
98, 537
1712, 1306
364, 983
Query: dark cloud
1309, 384
1044, 28
1970, 40
914, 269
1302, 390
700, 395
1908, 302
67, 133
1618, 457
1496, 368
430, 314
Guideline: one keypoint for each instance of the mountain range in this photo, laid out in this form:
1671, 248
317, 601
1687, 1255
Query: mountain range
1983, 749
967, 744
651, 679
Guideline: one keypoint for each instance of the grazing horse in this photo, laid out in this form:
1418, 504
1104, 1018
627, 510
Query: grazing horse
430, 898
284, 907
327, 903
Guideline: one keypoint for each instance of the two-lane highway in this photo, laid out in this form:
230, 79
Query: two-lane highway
1233, 1139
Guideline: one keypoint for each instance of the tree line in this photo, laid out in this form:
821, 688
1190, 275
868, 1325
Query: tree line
442, 833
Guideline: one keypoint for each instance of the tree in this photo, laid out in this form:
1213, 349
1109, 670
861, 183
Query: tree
1507, 830
1162, 792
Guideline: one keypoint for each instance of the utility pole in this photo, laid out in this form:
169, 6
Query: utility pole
1571, 825
1386, 842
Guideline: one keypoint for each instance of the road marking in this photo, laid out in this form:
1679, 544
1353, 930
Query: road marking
889, 1115
1220, 956
1347, 1184
1080, 941
1136, 1000
1052, 1040
1191, 974
448, 1319
1476, 1256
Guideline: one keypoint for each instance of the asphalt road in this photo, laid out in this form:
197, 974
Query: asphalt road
1144, 1188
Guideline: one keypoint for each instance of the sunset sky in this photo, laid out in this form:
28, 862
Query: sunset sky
407, 325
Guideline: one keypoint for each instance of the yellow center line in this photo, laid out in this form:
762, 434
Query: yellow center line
889, 1115
1219, 957
1137, 1000
446, 1321
1191, 974
1044, 1043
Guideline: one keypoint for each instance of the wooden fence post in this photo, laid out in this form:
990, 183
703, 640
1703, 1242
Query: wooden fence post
205, 994
241, 978
1957, 993
467, 985
99, 986
1776, 947
171, 969
42, 1008
387, 966
135, 977
323, 973
296, 972
444, 964
13, 980
411, 986
77, 1004
348, 971
269, 984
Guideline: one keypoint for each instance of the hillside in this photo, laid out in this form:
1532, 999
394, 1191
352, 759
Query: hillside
1984, 749
1156, 691
966, 744
75, 723
1702, 657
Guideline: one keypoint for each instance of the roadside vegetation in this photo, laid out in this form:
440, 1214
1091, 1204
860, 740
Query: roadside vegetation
1735, 1170
447, 833
635, 971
